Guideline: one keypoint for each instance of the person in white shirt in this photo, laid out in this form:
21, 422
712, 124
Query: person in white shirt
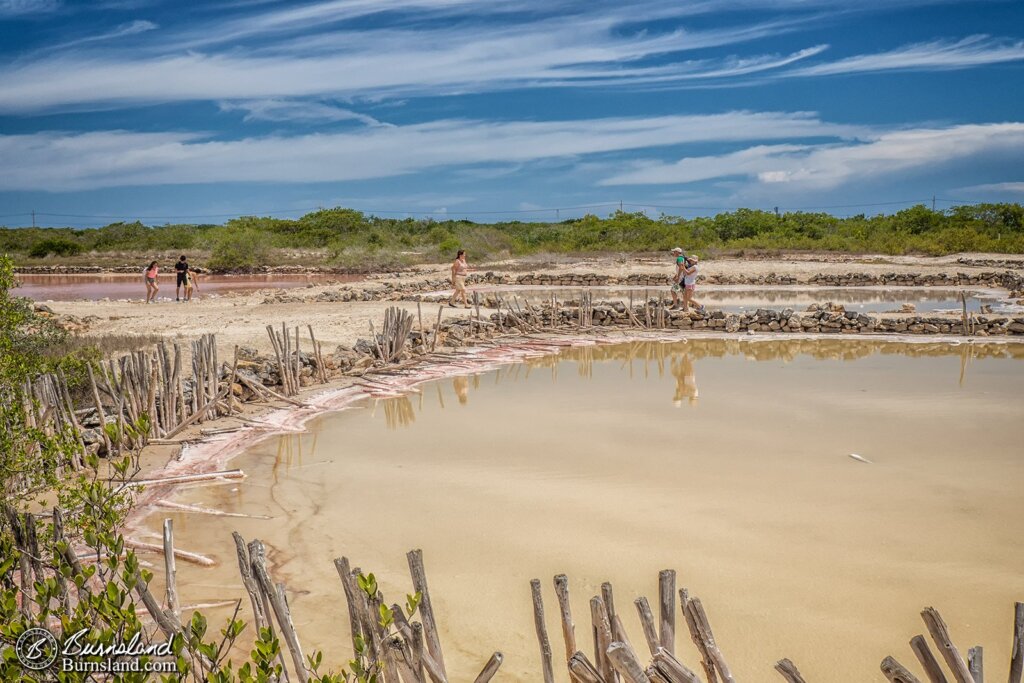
690, 284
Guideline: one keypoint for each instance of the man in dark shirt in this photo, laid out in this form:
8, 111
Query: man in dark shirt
182, 269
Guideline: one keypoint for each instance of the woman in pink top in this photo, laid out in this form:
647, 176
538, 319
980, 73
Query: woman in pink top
151, 286
459, 271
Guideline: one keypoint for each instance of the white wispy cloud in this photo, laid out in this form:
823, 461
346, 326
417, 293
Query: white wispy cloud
830, 165
971, 51
314, 15
128, 29
995, 188
373, 64
297, 110
56, 161
309, 51
15, 8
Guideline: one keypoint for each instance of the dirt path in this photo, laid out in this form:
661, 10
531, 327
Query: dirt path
241, 318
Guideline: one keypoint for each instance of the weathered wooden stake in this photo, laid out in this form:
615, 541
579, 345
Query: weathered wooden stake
928, 662
940, 634
542, 631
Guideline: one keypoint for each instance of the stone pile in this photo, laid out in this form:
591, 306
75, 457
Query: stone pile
71, 323
819, 319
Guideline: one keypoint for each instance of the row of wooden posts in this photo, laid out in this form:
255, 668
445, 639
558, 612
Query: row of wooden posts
410, 651
154, 383
289, 358
617, 661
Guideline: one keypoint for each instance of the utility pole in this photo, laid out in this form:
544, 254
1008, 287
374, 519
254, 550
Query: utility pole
558, 216
620, 206
776, 212
33, 218
933, 202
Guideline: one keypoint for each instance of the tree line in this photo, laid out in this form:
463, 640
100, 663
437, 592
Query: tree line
349, 238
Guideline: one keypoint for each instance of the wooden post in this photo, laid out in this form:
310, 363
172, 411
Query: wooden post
667, 604
643, 608
437, 329
249, 582
318, 354
418, 654
419, 582
582, 670
345, 573
928, 662
789, 671
940, 634
1017, 651
704, 639
99, 410
976, 664
298, 361
401, 656
283, 616
674, 670
542, 631
171, 570
602, 638
609, 604
568, 627
624, 661
896, 672
490, 668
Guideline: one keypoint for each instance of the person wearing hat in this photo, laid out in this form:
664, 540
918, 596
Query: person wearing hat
677, 279
690, 283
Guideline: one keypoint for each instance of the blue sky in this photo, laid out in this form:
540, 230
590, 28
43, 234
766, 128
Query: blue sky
118, 109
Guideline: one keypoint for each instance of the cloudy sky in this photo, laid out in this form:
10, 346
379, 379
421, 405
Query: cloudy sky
159, 110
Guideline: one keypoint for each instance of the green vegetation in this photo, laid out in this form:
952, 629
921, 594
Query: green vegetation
349, 239
68, 570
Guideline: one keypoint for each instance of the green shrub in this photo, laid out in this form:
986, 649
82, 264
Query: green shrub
239, 249
56, 246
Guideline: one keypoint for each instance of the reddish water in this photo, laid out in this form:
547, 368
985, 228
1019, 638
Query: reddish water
128, 286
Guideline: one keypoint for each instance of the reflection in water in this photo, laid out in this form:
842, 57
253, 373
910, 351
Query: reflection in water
461, 386
290, 451
398, 412
644, 359
686, 381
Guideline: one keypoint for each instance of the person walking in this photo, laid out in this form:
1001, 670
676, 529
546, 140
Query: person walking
459, 271
690, 283
152, 270
677, 277
191, 281
181, 268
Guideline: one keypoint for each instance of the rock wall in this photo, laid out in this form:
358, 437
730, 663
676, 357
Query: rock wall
1007, 279
822, 321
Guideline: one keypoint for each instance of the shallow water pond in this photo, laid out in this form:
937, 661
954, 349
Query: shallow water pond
127, 286
727, 460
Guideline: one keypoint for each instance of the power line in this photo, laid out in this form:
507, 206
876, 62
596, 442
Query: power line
199, 215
